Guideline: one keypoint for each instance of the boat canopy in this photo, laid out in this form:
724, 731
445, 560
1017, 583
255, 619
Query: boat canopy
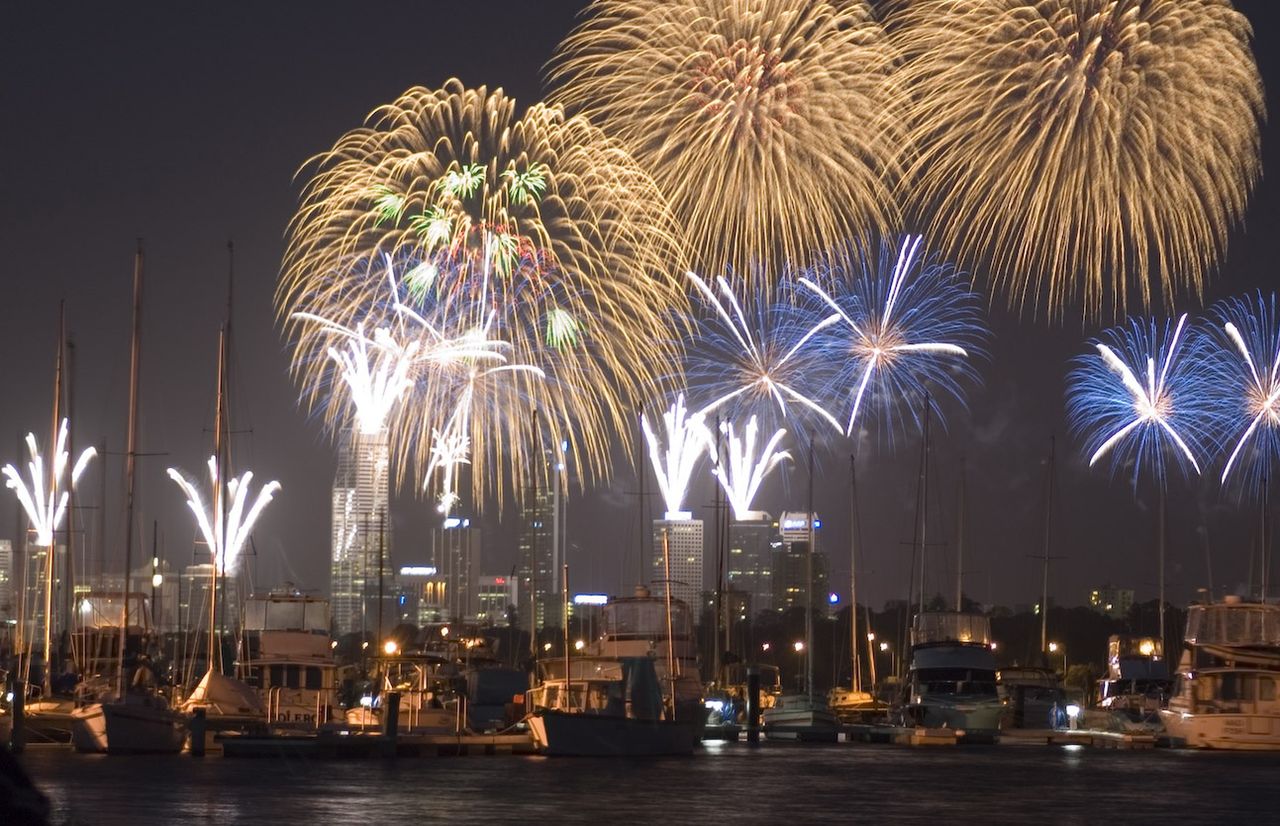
949, 626
646, 619
1233, 623
287, 614
972, 657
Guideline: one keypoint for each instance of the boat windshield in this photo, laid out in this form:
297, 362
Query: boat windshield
646, 619
944, 626
967, 681
1233, 623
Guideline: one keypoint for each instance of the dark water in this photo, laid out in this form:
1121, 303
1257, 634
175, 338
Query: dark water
725, 783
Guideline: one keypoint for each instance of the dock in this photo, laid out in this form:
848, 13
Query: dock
344, 746
1082, 737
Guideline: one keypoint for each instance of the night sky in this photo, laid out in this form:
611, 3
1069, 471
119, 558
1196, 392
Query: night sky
185, 124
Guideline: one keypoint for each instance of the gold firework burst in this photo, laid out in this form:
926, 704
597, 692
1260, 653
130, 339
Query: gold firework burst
534, 234
1091, 151
770, 125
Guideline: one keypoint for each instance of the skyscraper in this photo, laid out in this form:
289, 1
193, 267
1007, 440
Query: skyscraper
537, 576
8, 605
752, 542
791, 586
455, 554
684, 546
361, 534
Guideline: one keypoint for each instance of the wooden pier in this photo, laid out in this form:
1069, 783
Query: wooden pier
339, 746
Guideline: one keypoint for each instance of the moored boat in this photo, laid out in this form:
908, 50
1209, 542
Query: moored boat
951, 681
804, 717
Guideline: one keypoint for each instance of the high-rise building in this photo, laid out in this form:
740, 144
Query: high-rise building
536, 573
790, 565
8, 605
455, 553
494, 595
361, 529
421, 595
1112, 601
685, 548
752, 542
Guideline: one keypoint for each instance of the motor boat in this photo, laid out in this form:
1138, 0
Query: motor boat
951, 680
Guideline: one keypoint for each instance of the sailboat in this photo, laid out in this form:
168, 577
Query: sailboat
804, 715
137, 718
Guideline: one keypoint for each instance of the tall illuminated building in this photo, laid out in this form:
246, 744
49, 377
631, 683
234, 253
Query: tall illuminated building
361, 529
455, 553
752, 542
8, 604
537, 571
685, 548
791, 587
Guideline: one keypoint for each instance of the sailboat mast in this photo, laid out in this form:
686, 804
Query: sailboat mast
856, 682
1048, 538
220, 470
130, 458
51, 555
960, 543
808, 573
924, 498
719, 592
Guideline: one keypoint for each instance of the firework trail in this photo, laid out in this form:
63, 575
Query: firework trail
224, 536
1142, 396
904, 329
535, 226
687, 441
744, 468
1248, 345
1086, 151
755, 352
772, 126
45, 498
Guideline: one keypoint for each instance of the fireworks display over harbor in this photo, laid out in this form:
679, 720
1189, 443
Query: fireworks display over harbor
1249, 341
45, 491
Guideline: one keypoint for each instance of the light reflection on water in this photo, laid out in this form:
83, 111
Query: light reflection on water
792, 783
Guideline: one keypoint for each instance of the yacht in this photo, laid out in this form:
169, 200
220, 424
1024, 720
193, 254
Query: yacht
636, 626
1137, 683
1033, 697
951, 681
1225, 690
288, 659
801, 716
427, 704
606, 706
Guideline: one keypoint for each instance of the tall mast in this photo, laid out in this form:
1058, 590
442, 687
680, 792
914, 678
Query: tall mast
924, 498
719, 593
960, 543
220, 470
640, 551
131, 457
1048, 539
51, 555
808, 573
856, 682
69, 589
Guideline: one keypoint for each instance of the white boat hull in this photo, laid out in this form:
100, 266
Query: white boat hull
1238, 732
791, 721
128, 728
559, 733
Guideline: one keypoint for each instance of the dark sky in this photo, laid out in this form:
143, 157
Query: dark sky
184, 124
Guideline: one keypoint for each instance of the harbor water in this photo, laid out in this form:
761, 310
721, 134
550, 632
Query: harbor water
725, 782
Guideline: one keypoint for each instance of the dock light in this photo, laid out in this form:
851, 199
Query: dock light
546, 646
714, 705
764, 646
884, 646
798, 645
157, 580
1073, 711
579, 645
871, 637
366, 701
390, 648
1053, 648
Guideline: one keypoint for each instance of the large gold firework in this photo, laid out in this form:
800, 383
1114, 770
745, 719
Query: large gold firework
770, 125
1081, 150
534, 237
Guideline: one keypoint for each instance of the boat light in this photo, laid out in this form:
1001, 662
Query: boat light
390, 648
366, 701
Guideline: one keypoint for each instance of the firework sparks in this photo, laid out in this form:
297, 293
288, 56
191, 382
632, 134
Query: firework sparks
1140, 397
1081, 149
45, 498
537, 228
758, 356
1249, 353
903, 330
224, 535
744, 468
772, 127
688, 440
